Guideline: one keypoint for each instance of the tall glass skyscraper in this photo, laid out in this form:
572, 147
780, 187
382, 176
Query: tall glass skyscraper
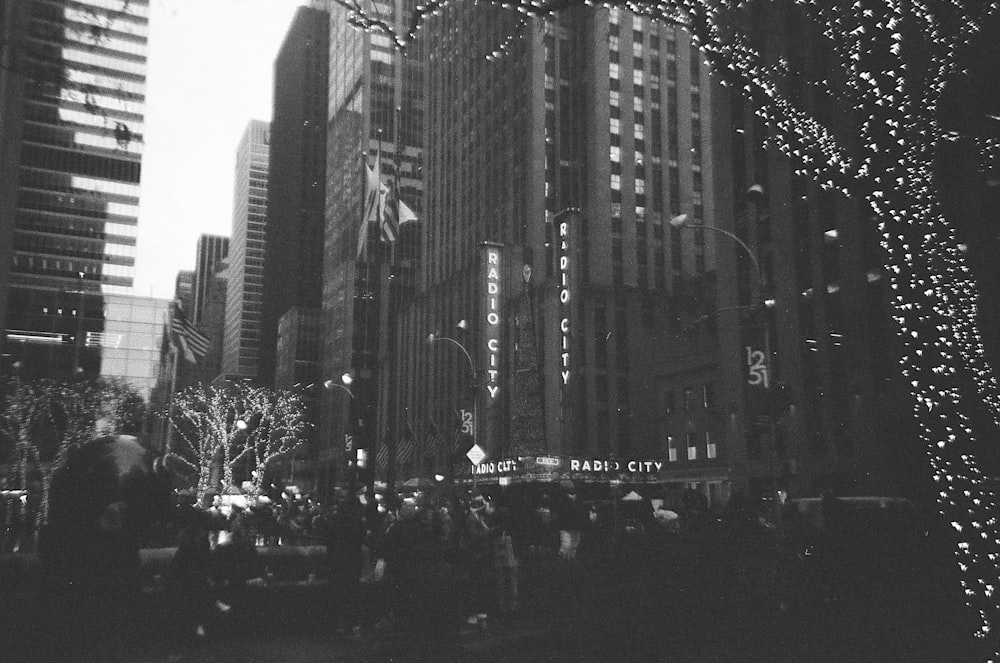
245, 294
73, 103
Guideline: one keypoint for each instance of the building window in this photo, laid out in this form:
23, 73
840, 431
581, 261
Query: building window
708, 395
710, 450
669, 402
692, 443
671, 449
689, 399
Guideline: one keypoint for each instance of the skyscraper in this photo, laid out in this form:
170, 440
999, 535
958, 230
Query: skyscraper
184, 289
73, 102
368, 81
241, 338
293, 255
589, 122
211, 251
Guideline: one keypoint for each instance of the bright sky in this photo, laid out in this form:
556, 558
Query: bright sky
210, 70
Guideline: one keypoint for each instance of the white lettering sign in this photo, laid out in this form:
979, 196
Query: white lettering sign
564, 300
757, 368
493, 322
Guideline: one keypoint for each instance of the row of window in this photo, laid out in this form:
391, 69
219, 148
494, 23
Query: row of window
698, 445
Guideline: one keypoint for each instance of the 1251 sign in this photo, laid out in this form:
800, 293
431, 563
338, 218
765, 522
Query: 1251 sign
757, 373
468, 424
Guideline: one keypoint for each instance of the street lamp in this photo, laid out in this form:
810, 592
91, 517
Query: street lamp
434, 338
347, 379
760, 368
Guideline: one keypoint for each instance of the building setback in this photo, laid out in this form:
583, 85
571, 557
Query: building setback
209, 254
293, 255
245, 278
73, 104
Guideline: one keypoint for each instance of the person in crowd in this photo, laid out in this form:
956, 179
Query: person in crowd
234, 562
475, 553
103, 498
345, 540
421, 581
505, 565
570, 518
189, 583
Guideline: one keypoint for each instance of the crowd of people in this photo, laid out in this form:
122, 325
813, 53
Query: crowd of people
434, 562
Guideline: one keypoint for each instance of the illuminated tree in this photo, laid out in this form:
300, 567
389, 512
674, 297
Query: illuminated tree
24, 410
276, 425
870, 123
44, 419
224, 426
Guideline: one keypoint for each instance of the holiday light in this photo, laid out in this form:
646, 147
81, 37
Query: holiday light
235, 423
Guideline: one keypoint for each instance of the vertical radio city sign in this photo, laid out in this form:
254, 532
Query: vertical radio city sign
491, 306
564, 308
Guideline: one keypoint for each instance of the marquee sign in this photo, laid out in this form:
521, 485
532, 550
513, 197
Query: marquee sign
551, 468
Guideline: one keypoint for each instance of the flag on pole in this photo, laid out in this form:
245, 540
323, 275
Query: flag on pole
192, 343
382, 457
374, 201
405, 450
394, 213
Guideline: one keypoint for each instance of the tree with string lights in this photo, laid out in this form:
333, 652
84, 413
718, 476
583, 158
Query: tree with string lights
45, 420
872, 123
227, 426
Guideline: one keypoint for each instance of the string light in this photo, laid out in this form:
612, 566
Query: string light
891, 88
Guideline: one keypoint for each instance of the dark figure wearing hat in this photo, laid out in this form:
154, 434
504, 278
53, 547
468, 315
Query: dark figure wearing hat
103, 498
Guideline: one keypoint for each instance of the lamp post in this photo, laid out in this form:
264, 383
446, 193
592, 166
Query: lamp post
77, 367
759, 364
434, 338
346, 380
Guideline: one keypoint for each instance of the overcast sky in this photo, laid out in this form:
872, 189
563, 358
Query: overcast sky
210, 71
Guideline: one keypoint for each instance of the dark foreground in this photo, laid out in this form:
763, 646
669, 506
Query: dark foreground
677, 601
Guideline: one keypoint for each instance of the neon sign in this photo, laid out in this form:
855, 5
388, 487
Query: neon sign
564, 298
492, 321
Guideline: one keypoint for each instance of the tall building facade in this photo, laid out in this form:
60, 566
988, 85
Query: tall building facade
209, 254
293, 254
375, 120
74, 95
245, 279
569, 150
838, 418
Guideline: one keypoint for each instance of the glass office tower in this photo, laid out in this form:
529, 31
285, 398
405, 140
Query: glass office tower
73, 137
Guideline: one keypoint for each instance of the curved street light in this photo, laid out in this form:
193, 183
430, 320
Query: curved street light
347, 379
434, 338
684, 221
755, 192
